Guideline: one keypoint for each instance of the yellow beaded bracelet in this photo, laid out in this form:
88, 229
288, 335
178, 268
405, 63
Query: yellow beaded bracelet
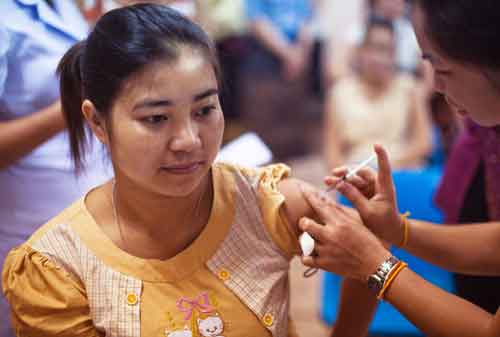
399, 267
406, 229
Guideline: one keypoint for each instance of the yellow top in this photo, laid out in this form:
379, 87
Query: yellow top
180, 297
361, 121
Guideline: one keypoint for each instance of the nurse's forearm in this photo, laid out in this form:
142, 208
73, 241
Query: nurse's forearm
469, 249
438, 313
18, 137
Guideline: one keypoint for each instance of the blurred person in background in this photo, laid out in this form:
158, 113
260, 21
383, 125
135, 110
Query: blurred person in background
225, 21
377, 104
279, 79
331, 19
36, 173
407, 50
282, 35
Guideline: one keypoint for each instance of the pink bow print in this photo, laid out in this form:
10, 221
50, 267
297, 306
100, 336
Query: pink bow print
200, 303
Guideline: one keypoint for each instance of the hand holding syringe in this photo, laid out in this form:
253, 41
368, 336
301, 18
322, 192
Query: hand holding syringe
305, 240
353, 172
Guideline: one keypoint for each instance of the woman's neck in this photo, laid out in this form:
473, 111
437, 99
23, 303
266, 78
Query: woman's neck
374, 87
154, 226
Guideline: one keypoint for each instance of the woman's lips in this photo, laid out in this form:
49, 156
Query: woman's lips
181, 169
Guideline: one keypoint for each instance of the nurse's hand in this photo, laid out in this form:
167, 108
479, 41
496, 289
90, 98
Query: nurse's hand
343, 245
374, 197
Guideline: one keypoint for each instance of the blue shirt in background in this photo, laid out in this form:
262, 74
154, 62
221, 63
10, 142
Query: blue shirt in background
287, 15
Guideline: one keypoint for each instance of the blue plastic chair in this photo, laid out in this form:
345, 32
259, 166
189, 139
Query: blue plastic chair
415, 191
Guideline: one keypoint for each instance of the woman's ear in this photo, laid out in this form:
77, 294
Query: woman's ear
95, 121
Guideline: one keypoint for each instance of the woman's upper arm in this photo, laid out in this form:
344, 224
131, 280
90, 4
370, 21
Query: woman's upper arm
295, 206
44, 298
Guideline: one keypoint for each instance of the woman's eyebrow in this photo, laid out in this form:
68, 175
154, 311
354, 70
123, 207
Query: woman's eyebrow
155, 103
205, 94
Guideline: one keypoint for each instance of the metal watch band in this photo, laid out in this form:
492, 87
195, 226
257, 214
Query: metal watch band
377, 279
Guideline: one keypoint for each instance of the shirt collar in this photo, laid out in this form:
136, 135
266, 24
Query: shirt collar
63, 22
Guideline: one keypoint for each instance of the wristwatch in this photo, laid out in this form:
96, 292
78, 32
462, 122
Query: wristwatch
376, 280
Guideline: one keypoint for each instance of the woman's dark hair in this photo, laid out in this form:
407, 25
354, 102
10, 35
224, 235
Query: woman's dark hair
123, 42
375, 21
465, 30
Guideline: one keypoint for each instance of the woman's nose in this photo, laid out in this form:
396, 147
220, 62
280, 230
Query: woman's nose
186, 138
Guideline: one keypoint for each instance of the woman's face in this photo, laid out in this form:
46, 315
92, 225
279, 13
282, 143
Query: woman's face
466, 87
167, 125
377, 55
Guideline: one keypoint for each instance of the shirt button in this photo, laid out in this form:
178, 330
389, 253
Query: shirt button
132, 299
268, 319
224, 275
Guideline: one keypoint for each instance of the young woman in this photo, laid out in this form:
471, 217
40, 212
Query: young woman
175, 244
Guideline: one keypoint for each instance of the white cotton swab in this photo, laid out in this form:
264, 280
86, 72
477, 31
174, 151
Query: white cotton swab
305, 239
306, 244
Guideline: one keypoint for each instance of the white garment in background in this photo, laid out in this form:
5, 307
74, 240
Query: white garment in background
407, 50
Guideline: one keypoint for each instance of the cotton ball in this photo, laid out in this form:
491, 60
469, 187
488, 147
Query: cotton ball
306, 243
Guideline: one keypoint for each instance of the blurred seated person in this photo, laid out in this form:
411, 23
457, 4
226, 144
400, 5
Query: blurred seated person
225, 22
281, 34
407, 50
377, 104
278, 83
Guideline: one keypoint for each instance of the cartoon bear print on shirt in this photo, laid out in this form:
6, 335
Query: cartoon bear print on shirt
211, 326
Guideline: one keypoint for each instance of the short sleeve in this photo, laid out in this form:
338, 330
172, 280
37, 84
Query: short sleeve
45, 300
271, 203
4, 48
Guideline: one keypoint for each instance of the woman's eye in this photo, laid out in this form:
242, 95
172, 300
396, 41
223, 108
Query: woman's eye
155, 119
205, 111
